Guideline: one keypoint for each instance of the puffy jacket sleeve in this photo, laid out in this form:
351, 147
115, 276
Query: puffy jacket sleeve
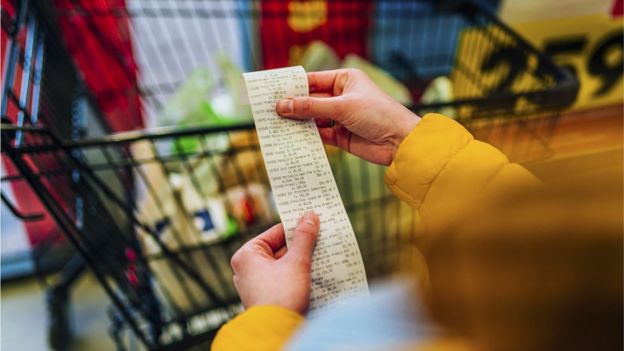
441, 170
261, 328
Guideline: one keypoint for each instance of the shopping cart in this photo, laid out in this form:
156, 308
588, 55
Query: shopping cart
54, 262
157, 214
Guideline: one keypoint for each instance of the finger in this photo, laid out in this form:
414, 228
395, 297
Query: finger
356, 145
321, 95
235, 281
262, 246
375, 153
343, 137
322, 81
337, 135
328, 136
273, 238
304, 237
309, 107
323, 122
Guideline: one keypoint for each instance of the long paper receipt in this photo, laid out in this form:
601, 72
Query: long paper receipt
302, 181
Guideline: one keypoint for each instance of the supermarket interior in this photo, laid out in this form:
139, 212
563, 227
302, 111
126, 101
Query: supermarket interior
312, 175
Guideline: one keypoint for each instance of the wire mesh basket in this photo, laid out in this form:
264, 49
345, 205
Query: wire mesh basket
163, 220
157, 214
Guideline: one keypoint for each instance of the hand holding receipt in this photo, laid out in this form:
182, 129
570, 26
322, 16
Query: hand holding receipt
302, 181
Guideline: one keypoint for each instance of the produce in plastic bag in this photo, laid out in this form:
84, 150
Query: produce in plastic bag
440, 90
318, 56
228, 103
381, 78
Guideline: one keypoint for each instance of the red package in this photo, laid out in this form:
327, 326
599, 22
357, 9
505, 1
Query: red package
97, 35
617, 9
286, 27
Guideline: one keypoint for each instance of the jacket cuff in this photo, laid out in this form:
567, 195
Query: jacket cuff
422, 155
258, 328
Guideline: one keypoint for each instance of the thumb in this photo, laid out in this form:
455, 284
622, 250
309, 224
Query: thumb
309, 107
304, 237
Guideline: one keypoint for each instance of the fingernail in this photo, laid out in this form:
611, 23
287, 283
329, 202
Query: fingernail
285, 106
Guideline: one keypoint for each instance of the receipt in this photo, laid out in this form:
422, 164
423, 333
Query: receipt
302, 180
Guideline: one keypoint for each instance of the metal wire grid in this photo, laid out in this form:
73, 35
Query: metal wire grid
149, 305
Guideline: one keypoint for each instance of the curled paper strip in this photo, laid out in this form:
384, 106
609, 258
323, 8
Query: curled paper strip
302, 180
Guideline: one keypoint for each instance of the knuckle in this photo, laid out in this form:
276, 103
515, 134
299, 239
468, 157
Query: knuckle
343, 76
312, 82
305, 262
348, 71
340, 107
302, 263
303, 105
237, 260
307, 228
355, 72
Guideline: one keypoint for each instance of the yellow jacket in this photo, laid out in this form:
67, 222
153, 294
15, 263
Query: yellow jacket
440, 170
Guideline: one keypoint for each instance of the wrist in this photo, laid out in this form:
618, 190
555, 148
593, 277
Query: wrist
408, 123
277, 307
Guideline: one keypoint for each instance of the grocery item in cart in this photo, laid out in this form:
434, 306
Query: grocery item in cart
228, 102
186, 218
439, 91
286, 27
168, 48
190, 210
382, 79
189, 104
199, 101
318, 56
191, 223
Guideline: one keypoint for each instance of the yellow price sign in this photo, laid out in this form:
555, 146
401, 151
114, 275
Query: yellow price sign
591, 47
492, 64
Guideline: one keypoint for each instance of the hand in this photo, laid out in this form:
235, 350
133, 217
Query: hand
369, 123
267, 273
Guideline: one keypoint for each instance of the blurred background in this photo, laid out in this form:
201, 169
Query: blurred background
131, 172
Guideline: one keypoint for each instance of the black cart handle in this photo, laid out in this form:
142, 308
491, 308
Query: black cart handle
32, 217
